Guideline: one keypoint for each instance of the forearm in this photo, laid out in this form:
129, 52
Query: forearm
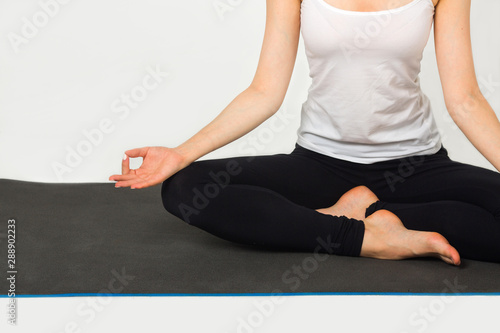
477, 120
247, 111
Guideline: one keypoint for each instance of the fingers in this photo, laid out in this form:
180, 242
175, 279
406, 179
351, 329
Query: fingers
128, 183
125, 165
137, 152
126, 174
119, 178
126, 180
135, 182
130, 178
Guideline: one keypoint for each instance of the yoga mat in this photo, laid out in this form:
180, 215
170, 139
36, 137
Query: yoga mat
90, 238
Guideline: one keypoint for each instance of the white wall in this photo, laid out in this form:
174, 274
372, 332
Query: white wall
68, 76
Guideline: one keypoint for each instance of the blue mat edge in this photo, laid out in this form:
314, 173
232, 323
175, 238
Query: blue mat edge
253, 295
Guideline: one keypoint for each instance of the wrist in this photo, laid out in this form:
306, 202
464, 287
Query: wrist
185, 154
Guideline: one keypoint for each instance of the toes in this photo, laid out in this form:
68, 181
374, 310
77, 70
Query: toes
440, 248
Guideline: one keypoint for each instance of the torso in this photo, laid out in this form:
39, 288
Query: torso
365, 104
369, 5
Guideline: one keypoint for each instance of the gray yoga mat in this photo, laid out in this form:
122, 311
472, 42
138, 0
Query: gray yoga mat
94, 239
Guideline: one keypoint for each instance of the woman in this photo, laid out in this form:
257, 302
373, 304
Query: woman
367, 141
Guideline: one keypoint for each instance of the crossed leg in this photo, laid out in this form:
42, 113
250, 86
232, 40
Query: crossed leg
272, 200
457, 200
385, 235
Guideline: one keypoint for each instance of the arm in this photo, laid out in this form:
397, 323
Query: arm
249, 109
466, 104
265, 94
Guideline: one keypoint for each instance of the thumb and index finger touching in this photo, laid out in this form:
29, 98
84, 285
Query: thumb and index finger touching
137, 152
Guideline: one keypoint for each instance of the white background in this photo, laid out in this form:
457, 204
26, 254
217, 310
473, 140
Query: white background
65, 79
62, 81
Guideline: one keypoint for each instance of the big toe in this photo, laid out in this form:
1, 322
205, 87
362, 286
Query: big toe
444, 250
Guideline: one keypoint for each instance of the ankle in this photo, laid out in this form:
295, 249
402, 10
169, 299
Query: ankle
375, 206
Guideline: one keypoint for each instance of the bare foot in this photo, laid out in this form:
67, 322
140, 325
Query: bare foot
352, 204
387, 238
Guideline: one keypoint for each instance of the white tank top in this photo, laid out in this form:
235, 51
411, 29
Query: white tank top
365, 104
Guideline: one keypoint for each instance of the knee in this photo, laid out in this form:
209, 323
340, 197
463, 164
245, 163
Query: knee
188, 192
177, 191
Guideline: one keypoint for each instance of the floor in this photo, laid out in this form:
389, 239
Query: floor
94, 239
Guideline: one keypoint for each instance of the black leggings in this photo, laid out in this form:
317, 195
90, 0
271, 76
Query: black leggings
270, 201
